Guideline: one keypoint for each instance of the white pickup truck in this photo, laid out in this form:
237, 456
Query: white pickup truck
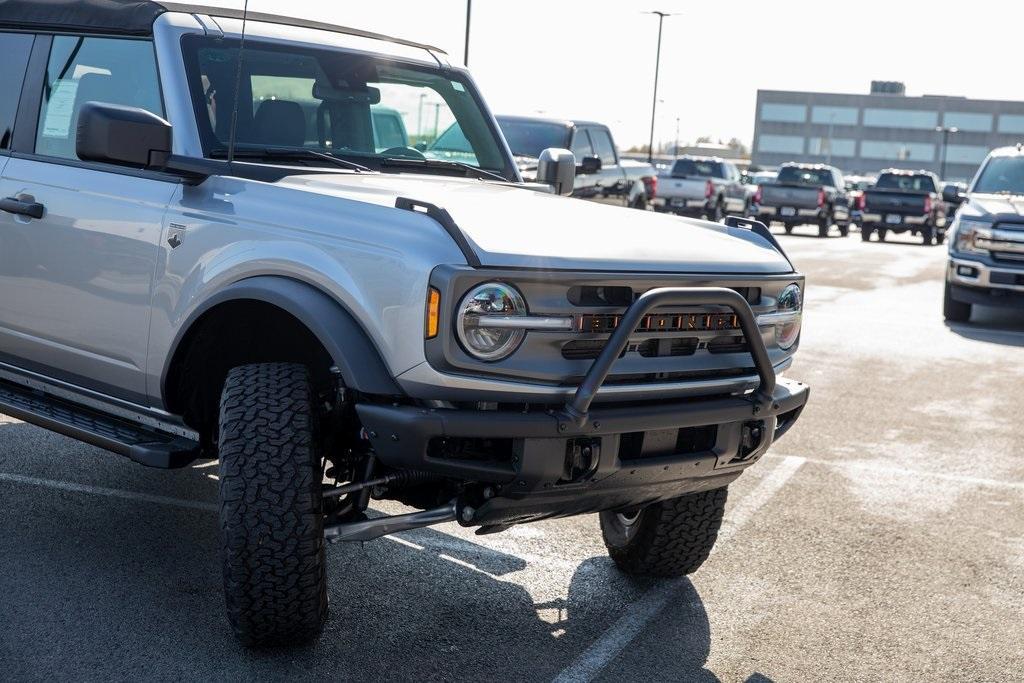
207, 251
703, 187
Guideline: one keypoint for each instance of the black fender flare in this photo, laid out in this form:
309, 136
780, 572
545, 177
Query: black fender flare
347, 343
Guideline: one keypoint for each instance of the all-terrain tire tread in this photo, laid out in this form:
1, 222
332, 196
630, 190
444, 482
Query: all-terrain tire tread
674, 538
271, 526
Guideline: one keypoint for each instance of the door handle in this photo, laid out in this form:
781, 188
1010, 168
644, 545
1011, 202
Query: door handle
22, 208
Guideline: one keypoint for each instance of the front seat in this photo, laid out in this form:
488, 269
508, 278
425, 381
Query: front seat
280, 123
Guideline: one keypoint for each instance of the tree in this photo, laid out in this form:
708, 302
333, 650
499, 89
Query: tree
737, 145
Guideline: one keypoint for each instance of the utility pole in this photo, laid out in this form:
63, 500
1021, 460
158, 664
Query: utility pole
657, 66
469, 16
946, 131
676, 148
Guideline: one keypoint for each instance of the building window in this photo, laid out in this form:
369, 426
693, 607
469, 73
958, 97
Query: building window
781, 144
784, 113
1011, 123
966, 154
839, 116
900, 118
897, 151
975, 123
837, 147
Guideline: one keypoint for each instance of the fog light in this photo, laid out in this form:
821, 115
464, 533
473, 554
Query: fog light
967, 271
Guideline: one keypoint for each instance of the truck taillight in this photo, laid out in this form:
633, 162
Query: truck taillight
709, 190
651, 184
927, 204
759, 195
821, 198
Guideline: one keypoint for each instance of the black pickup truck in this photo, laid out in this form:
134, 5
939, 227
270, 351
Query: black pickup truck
805, 193
903, 201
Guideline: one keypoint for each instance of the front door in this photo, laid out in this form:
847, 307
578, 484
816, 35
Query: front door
75, 282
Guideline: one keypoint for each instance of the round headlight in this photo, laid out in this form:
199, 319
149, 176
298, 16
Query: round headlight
790, 301
479, 323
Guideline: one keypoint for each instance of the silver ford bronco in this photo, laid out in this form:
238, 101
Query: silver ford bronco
237, 237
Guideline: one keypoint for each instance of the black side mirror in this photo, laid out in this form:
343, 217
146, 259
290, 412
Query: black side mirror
589, 165
952, 194
126, 136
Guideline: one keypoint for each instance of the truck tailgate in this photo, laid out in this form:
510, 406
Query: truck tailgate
894, 202
795, 196
682, 188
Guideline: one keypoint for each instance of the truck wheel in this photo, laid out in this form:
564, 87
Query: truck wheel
789, 228
718, 213
955, 311
824, 224
271, 521
640, 202
670, 538
865, 233
928, 236
844, 229
881, 234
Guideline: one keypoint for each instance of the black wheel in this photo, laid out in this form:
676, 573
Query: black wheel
789, 229
844, 229
954, 311
824, 224
717, 213
640, 202
670, 538
865, 234
882, 232
928, 236
271, 521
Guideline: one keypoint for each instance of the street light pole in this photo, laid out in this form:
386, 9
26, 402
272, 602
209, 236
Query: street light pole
469, 15
657, 66
946, 131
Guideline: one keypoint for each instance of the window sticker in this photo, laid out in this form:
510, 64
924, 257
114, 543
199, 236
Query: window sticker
59, 109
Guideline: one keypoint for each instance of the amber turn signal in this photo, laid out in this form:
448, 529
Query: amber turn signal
433, 312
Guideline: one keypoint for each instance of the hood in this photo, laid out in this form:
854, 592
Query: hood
997, 206
509, 226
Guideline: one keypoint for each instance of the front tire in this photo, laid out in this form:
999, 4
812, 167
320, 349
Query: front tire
271, 519
670, 538
954, 311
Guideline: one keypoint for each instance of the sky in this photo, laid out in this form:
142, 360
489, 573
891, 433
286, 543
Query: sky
595, 59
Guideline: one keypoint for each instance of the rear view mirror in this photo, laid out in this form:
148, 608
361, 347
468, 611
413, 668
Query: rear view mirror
589, 165
127, 136
952, 194
557, 168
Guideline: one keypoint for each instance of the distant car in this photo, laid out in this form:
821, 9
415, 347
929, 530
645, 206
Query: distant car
805, 193
986, 246
388, 128
707, 187
601, 175
904, 201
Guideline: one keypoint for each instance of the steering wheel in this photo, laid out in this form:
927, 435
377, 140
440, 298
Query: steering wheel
406, 152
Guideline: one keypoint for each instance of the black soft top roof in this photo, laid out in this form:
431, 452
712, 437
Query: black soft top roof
136, 17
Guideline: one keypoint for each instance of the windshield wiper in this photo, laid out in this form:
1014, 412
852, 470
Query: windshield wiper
271, 153
467, 169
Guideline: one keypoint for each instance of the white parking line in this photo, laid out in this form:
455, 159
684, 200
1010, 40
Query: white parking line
110, 493
608, 646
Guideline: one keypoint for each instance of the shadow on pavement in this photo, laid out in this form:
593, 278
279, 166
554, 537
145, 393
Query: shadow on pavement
103, 588
992, 325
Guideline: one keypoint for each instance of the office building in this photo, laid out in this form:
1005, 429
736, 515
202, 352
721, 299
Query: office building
883, 129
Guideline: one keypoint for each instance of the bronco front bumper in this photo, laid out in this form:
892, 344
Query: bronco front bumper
555, 462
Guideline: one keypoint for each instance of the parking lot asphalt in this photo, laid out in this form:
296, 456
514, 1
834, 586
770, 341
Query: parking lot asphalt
882, 539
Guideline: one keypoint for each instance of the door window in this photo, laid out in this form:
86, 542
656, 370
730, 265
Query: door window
80, 70
581, 145
15, 47
603, 146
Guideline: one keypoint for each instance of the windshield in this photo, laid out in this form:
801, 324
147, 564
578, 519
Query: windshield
794, 175
907, 183
349, 105
530, 138
1002, 175
699, 168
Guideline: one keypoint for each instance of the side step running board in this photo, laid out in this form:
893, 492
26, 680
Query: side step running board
141, 443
